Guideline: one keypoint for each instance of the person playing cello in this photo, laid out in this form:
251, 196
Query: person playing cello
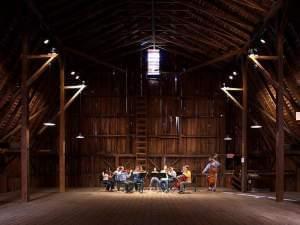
185, 178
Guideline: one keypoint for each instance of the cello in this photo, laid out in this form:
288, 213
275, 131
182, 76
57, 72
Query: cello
180, 179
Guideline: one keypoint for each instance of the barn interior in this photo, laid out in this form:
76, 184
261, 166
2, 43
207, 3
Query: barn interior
88, 86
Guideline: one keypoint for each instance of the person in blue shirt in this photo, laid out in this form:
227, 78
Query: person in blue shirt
121, 176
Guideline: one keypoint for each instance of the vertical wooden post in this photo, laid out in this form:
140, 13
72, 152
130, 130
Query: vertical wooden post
25, 124
244, 124
62, 160
279, 115
180, 118
93, 173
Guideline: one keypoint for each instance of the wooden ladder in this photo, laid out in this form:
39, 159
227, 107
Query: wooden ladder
141, 131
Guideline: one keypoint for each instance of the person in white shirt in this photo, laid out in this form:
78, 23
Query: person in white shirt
155, 181
107, 180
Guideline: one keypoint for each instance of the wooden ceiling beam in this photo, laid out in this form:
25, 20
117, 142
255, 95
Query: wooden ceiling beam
196, 37
41, 70
250, 5
239, 51
220, 33
222, 19
182, 45
65, 106
216, 60
182, 53
245, 14
92, 59
90, 13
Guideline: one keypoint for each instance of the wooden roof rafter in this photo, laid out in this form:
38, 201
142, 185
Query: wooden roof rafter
85, 16
196, 37
222, 19
244, 13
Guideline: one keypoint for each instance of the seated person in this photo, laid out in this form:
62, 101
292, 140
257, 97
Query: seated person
155, 179
121, 176
185, 178
165, 182
154, 182
138, 178
107, 180
129, 184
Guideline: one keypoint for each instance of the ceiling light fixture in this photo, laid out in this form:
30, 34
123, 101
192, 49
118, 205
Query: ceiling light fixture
256, 125
77, 77
227, 138
234, 73
80, 136
262, 41
46, 41
49, 124
230, 77
73, 73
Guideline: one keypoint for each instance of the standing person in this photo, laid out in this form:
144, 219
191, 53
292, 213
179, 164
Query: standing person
185, 178
211, 171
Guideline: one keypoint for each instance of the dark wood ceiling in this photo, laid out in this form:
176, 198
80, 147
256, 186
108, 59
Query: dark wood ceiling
199, 30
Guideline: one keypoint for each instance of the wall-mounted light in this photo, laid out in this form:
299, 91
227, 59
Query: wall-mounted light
252, 52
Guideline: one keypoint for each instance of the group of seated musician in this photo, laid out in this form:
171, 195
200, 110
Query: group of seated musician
167, 179
121, 177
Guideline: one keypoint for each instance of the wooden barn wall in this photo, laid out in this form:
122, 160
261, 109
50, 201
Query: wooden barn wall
184, 125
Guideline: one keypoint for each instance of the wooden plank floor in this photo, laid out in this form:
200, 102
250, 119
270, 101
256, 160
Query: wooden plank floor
89, 207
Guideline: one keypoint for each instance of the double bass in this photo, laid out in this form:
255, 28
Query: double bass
212, 176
